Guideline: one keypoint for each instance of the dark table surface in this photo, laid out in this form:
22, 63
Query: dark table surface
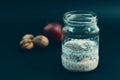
20, 17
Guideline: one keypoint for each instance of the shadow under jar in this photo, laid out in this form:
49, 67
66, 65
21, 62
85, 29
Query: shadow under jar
80, 44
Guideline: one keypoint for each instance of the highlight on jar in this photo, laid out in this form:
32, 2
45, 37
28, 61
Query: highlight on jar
80, 44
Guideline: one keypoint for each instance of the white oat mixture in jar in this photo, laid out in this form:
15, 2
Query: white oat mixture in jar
80, 55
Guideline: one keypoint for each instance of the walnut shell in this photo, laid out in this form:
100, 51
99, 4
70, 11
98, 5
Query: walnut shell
41, 40
28, 36
27, 44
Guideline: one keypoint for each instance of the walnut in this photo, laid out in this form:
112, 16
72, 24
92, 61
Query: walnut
27, 44
41, 40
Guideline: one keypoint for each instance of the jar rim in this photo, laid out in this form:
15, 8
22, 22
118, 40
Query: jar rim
80, 16
81, 11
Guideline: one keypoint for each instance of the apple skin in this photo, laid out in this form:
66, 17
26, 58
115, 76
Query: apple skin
53, 30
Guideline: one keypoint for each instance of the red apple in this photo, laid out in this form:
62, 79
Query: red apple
53, 30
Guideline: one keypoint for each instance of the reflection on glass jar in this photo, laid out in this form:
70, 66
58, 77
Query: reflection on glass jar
80, 45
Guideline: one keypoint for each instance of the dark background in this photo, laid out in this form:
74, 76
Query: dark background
20, 17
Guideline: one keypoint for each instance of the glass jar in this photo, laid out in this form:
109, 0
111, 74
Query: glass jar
80, 44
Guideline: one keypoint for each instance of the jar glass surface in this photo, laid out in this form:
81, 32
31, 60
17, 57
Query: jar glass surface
80, 44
